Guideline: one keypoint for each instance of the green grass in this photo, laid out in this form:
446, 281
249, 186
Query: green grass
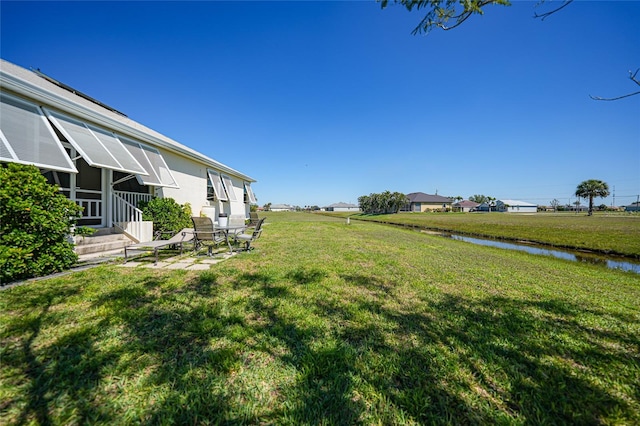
607, 233
328, 323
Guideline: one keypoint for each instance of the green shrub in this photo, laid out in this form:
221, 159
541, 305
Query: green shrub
168, 216
35, 222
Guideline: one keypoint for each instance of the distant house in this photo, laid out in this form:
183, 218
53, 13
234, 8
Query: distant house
486, 207
515, 206
633, 207
573, 208
342, 207
281, 208
421, 202
465, 206
508, 206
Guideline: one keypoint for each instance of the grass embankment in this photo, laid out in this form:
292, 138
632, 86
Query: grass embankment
613, 234
328, 323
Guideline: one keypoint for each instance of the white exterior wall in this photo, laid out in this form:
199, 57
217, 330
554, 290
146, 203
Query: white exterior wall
522, 209
192, 178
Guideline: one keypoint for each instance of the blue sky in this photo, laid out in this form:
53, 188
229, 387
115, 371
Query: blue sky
323, 102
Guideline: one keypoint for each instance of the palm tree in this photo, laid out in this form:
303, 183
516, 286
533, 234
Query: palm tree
592, 188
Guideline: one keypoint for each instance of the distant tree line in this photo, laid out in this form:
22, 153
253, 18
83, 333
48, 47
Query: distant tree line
383, 203
480, 198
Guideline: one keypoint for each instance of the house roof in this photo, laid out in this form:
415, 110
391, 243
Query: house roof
35, 86
281, 206
466, 203
342, 205
421, 197
516, 203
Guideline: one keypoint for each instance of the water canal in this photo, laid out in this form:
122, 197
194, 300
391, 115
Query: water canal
611, 262
577, 256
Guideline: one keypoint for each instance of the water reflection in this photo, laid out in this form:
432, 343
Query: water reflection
624, 265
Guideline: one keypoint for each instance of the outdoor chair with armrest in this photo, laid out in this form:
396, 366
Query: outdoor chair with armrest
205, 233
253, 219
236, 224
247, 238
178, 239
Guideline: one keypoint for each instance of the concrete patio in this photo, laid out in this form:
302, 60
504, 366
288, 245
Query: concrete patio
185, 261
188, 260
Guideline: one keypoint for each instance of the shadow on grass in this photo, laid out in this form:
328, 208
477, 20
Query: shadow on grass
162, 339
303, 276
497, 359
324, 388
65, 372
460, 360
173, 331
370, 356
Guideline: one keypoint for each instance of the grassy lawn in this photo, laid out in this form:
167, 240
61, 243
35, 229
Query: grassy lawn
328, 323
608, 233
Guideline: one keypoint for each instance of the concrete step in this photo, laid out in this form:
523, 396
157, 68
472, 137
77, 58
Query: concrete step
101, 242
101, 247
100, 257
81, 241
103, 231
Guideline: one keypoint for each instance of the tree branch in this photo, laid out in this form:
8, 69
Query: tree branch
547, 14
632, 77
445, 10
461, 18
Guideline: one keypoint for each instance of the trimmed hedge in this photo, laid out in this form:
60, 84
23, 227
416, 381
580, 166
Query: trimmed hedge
35, 222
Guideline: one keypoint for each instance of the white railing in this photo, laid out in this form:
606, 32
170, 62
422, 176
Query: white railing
127, 216
92, 208
133, 197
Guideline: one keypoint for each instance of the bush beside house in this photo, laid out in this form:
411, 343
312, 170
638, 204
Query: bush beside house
35, 225
167, 215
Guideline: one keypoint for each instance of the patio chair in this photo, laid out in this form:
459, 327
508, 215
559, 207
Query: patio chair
239, 221
157, 244
205, 233
247, 238
253, 219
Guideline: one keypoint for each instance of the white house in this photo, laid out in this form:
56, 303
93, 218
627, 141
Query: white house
281, 208
342, 207
515, 206
105, 161
508, 206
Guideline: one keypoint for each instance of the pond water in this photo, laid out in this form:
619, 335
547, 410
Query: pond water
609, 262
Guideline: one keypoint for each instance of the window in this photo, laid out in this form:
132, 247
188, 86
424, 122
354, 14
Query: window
27, 137
127, 183
152, 161
211, 193
216, 183
98, 147
229, 187
249, 197
61, 179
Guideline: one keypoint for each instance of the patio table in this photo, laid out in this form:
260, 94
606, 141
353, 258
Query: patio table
226, 229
